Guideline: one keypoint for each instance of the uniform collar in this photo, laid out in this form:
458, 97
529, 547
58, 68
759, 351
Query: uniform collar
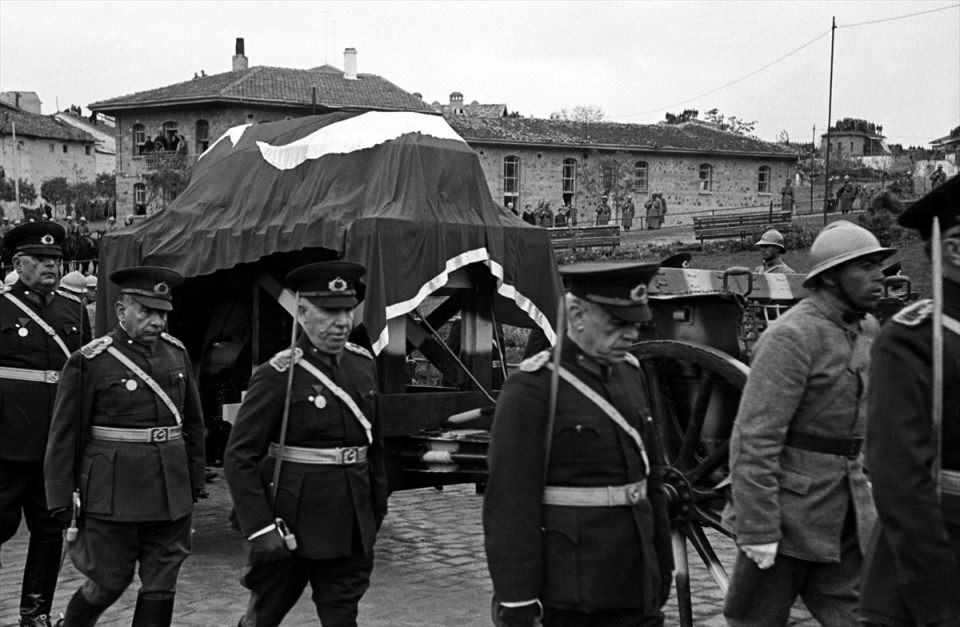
124, 339
572, 353
326, 359
34, 296
836, 310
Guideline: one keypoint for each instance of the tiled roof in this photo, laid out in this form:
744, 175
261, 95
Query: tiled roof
35, 125
688, 137
275, 85
475, 109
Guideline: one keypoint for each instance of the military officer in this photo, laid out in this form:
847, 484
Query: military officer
771, 248
912, 571
38, 331
801, 508
127, 440
330, 493
583, 538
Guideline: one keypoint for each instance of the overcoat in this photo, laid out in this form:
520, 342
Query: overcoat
912, 568
126, 481
583, 558
26, 406
324, 505
809, 375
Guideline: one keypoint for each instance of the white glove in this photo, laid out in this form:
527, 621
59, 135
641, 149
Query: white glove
763, 554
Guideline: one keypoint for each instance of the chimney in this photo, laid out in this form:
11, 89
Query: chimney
456, 102
240, 59
350, 64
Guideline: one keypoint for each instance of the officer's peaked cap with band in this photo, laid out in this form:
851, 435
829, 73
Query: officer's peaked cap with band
619, 288
35, 238
329, 284
151, 286
943, 201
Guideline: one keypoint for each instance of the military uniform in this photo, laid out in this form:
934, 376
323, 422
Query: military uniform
912, 570
546, 536
778, 268
138, 467
332, 492
30, 364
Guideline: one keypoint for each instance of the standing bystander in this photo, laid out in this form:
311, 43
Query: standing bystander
771, 248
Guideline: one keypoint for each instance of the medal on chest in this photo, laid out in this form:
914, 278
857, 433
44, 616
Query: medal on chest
317, 398
131, 385
22, 331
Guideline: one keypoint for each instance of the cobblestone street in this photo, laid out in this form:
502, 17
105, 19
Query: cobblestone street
430, 570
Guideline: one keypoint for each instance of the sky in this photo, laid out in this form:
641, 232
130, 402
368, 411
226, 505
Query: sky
896, 63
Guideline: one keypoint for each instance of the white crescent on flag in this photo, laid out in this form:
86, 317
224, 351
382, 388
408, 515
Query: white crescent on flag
356, 133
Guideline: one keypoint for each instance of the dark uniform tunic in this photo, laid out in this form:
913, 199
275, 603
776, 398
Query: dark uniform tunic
333, 510
912, 572
126, 484
587, 559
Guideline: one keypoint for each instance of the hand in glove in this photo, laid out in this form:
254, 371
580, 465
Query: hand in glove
763, 554
268, 548
522, 616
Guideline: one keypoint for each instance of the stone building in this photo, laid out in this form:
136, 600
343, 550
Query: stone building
104, 130
194, 113
699, 169
44, 148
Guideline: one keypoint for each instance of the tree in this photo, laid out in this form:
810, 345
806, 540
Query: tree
580, 113
56, 191
169, 175
680, 118
106, 186
783, 137
730, 123
606, 174
28, 193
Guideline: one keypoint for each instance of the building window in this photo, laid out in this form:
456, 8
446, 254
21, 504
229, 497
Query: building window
511, 180
53, 148
139, 199
87, 150
203, 135
763, 180
609, 174
169, 132
64, 149
641, 176
568, 181
139, 139
706, 178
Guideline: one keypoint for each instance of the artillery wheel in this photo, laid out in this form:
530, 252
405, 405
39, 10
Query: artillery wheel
695, 391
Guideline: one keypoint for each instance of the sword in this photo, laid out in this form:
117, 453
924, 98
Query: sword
936, 257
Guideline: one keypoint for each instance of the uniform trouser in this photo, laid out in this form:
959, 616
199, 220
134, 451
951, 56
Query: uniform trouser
108, 552
22, 490
763, 598
337, 586
606, 618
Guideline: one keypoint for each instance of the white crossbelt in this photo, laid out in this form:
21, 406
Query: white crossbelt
340, 393
153, 385
35, 376
40, 321
603, 496
951, 323
337, 456
149, 434
950, 482
608, 409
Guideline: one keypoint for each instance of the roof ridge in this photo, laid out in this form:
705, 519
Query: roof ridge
251, 72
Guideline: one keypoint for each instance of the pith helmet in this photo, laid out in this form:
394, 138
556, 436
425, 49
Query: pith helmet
771, 237
840, 242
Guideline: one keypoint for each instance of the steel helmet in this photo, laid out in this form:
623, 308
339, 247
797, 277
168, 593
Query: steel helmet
74, 282
840, 242
771, 237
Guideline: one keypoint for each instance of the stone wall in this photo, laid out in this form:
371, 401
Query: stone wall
42, 158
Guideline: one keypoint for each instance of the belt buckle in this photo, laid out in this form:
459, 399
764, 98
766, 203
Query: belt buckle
349, 455
854, 450
51, 376
159, 434
633, 494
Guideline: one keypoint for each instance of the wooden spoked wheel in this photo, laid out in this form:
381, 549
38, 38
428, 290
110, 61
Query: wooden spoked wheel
695, 391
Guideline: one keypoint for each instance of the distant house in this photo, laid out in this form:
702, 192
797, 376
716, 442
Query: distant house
44, 148
474, 109
698, 168
854, 138
27, 101
196, 112
948, 143
104, 130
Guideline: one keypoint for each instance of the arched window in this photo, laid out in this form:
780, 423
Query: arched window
706, 178
202, 134
139, 199
568, 178
139, 139
641, 176
763, 180
511, 180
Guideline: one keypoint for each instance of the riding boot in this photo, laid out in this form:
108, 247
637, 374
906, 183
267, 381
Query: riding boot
80, 612
39, 580
153, 610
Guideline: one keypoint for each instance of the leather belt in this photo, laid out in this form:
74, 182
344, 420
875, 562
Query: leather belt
36, 376
152, 434
847, 447
339, 456
950, 482
604, 496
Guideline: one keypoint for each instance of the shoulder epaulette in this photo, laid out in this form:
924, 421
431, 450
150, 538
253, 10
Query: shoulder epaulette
96, 347
4, 289
914, 315
632, 360
172, 340
68, 296
281, 361
359, 350
535, 362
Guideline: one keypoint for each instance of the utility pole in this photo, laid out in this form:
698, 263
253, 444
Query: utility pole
813, 162
826, 162
16, 165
